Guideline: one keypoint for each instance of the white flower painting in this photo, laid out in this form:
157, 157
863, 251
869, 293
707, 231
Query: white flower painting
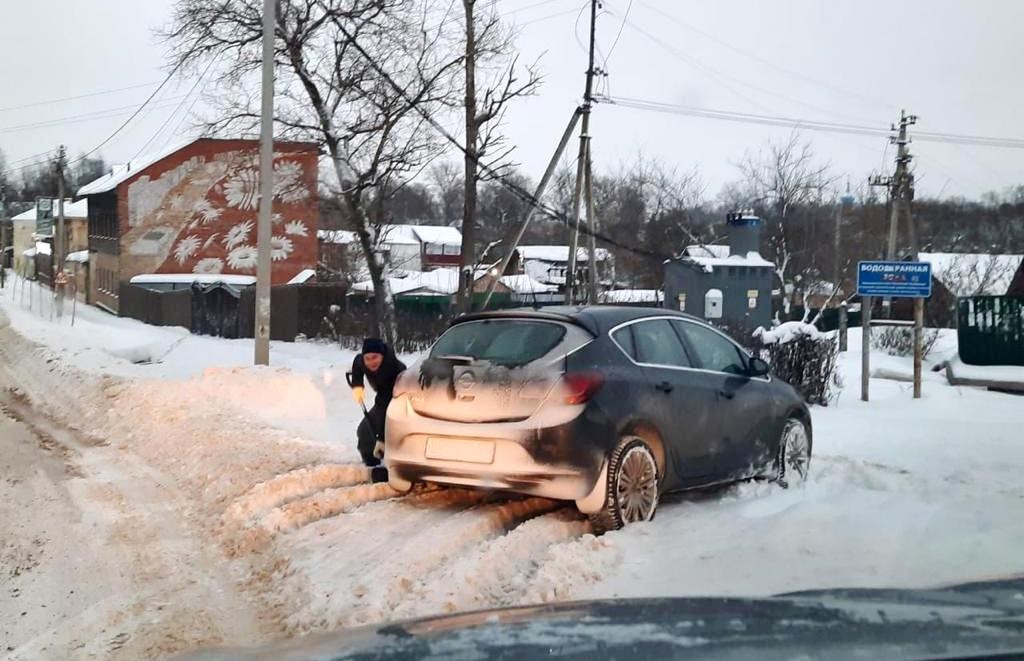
209, 265
288, 185
296, 228
238, 234
204, 213
242, 258
280, 248
241, 190
186, 248
210, 240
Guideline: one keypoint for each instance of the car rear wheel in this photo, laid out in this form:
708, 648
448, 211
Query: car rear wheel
794, 460
631, 494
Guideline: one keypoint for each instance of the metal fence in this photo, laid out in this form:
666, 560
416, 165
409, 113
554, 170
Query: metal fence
990, 330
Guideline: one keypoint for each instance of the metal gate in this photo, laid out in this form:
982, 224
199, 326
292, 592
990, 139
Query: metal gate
990, 330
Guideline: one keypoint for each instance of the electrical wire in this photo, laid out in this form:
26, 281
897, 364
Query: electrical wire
79, 96
812, 125
176, 109
73, 119
625, 17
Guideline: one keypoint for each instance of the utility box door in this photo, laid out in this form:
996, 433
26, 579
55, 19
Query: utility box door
713, 304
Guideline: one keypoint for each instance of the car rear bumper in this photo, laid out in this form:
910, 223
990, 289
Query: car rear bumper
546, 455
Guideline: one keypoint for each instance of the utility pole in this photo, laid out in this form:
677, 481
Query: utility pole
901, 192
264, 228
570, 273
58, 236
4, 221
592, 224
468, 248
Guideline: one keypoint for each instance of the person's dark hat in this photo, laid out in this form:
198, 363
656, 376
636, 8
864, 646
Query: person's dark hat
374, 345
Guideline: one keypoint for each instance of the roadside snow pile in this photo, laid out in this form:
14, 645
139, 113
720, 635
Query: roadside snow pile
787, 332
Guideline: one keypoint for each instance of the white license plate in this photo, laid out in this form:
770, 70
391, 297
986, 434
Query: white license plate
458, 449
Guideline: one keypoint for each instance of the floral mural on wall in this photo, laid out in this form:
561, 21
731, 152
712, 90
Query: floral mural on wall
207, 210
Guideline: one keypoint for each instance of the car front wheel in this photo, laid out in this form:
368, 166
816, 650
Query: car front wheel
632, 490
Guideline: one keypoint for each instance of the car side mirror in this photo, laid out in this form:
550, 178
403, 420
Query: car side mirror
758, 367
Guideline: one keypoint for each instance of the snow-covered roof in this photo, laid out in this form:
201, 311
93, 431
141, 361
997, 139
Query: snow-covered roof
524, 284
78, 257
438, 281
709, 263
399, 235
632, 296
973, 274
302, 276
79, 209
122, 171
188, 278
42, 248
706, 250
558, 254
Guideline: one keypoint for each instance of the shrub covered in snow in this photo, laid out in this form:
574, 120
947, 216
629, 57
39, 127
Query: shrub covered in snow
803, 357
899, 340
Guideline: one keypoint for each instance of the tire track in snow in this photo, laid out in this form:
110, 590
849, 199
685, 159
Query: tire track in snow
324, 504
498, 572
432, 551
293, 485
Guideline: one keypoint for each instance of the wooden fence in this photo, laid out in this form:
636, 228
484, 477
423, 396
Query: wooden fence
990, 330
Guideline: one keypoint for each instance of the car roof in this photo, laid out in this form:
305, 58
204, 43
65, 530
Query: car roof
597, 319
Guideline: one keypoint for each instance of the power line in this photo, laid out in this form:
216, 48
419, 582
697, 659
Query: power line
515, 189
79, 96
73, 119
175, 111
812, 125
622, 26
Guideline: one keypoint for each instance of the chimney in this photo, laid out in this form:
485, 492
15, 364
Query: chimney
744, 233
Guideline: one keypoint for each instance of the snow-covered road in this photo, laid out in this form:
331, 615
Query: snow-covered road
901, 493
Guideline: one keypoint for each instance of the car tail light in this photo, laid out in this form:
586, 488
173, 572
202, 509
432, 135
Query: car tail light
407, 382
581, 387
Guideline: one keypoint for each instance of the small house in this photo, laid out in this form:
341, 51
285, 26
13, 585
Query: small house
730, 285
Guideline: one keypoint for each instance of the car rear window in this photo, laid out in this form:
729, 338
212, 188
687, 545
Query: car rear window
508, 342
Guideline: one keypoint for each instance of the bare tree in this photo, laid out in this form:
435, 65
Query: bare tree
489, 50
366, 112
779, 178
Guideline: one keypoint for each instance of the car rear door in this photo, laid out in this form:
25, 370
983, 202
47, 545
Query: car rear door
744, 403
680, 402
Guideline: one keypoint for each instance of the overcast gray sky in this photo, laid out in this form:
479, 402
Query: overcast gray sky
955, 63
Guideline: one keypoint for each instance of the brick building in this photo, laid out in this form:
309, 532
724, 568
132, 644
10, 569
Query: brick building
193, 209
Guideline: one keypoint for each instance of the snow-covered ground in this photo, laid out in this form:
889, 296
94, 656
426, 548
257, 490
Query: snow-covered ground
901, 493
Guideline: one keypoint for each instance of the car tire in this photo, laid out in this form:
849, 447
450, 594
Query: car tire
794, 460
631, 493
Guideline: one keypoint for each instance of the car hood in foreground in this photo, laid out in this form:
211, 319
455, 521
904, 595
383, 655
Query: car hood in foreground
963, 620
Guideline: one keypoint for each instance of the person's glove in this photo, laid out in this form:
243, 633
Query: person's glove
358, 394
378, 450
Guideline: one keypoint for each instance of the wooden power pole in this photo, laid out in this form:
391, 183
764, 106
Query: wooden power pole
59, 236
581, 168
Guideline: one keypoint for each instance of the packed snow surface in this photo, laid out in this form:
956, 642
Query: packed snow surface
902, 492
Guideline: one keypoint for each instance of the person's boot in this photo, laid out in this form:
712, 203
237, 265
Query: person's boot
378, 474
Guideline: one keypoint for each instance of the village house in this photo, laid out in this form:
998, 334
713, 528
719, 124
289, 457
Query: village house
962, 275
405, 248
548, 264
32, 243
193, 208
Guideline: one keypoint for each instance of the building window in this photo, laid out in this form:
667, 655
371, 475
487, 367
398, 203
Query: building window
452, 249
435, 249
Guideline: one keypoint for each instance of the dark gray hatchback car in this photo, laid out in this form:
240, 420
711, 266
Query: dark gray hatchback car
610, 407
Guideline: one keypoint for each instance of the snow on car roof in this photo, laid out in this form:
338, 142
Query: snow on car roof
973, 274
632, 296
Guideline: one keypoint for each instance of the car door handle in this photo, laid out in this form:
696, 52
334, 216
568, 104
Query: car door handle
664, 386
728, 394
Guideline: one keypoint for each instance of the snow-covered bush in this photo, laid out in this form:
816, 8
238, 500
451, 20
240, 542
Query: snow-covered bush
803, 357
899, 340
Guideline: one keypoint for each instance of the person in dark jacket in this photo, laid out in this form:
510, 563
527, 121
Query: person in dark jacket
379, 366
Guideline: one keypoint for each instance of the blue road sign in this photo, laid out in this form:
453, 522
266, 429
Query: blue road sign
894, 279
